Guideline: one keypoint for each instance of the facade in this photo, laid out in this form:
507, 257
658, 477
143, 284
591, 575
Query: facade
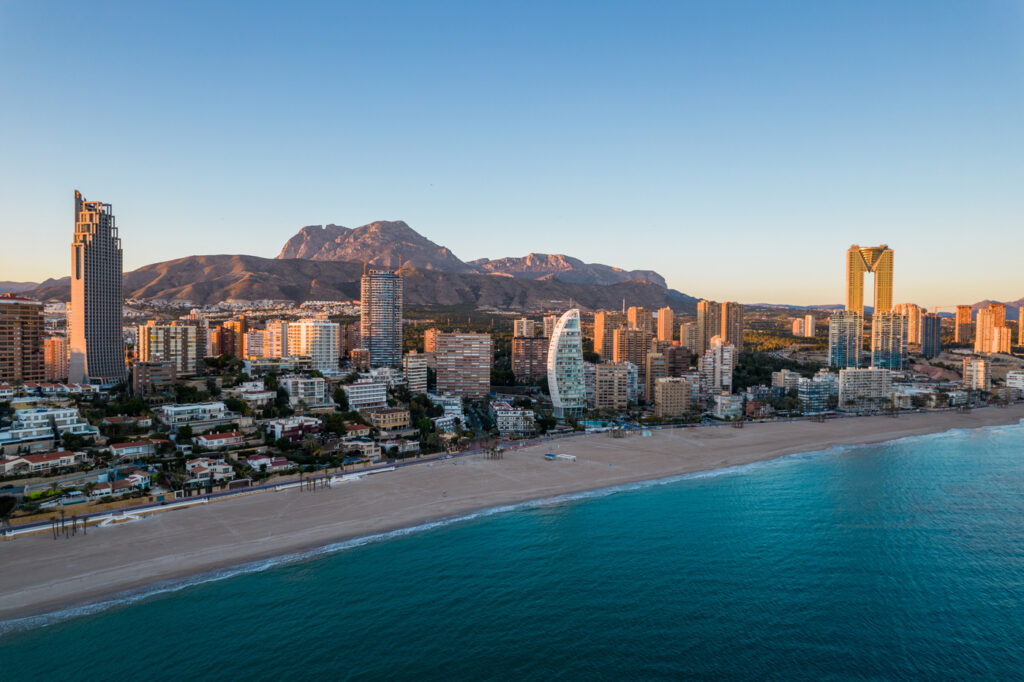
513, 422
317, 340
311, 391
21, 340
632, 345
605, 324
415, 366
529, 357
293, 428
914, 314
964, 324
666, 325
716, 367
727, 406
931, 335
55, 358
219, 441
381, 317
366, 393
672, 397
153, 377
565, 368
94, 325
524, 327
889, 340
864, 389
549, 325
976, 376
611, 386
732, 326
46, 461
845, 332
464, 364
815, 393
689, 336
39, 425
389, 418
638, 317
1015, 379
656, 368
430, 340
177, 344
200, 416
992, 334
709, 324
873, 259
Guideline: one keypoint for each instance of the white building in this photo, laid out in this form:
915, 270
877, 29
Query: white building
864, 389
976, 374
513, 421
366, 393
317, 340
566, 382
716, 367
1015, 379
415, 365
200, 416
38, 424
728, 406
312, 391
204, 470
178, 344
451, 404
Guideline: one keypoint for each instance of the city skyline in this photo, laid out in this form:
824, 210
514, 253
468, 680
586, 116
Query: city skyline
892, 125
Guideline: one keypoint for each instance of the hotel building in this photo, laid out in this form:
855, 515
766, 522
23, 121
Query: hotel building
22, 357
889, 340
381, 317
964, 325
874, 259
566, 382
464, 364
845, 333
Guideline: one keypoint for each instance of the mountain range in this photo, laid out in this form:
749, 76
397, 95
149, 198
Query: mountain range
326, 262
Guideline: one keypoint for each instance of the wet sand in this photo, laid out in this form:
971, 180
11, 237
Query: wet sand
42, 575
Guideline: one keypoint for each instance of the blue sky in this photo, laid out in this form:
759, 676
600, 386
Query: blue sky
736, 147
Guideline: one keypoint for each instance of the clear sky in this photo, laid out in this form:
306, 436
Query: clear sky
738, 148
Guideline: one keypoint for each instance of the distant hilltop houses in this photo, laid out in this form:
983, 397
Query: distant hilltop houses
252, 389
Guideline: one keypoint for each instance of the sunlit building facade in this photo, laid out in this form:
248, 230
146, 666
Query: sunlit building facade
566, 382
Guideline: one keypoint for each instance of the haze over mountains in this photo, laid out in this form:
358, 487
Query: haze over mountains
325, 263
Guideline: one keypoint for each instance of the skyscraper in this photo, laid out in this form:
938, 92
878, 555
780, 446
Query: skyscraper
666, 324
55, 355
96, 339
962, 331
318, 340
732, 325
605, 324
931, 335
566, 382
638, 317
21, 340
524, 327
709, 324
549, 325
464, 364
845, 331
381, 317
529, 357
874, 259
913, 313
716, 367
178, 344
992, 334
888, 340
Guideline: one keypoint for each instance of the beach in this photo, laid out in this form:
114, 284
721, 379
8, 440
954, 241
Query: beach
42, 575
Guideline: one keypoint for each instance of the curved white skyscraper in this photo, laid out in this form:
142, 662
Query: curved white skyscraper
566, 381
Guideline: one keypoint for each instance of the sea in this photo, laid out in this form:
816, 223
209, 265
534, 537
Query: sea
903, 560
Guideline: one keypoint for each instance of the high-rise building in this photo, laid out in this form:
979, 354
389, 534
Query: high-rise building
709, 324
566, 382
21, 340
964, 325
716, 367
863, 389
464, 364
638, 317
529, 357
318, 340
95, 337
677, 360
430, 340
672, 397
549, 325
913, 313
632, 345
611, 386
931, 335
55, 358
177, 344
689, 336
873, 259
992, 334
732, 326
224, 341
415, 365
656, 368
254, 344
976, 376
381, 317
605, 324
666, 325
524, 327
845, 336
889, 340
1020, 324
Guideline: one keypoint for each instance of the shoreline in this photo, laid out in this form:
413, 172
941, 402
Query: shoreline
48, 580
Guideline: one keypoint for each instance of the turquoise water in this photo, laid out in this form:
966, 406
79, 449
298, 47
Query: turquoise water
891, 561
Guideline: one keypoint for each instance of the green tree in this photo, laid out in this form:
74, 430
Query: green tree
341, 399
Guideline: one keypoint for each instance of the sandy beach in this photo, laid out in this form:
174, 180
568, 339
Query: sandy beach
41, 575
